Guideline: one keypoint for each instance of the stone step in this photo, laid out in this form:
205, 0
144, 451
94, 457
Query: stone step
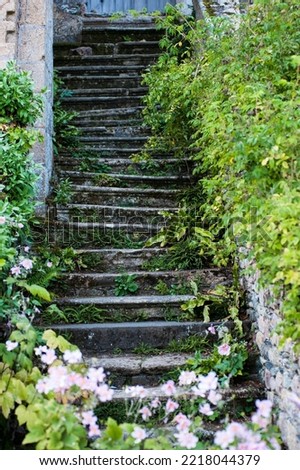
82, 103
125, 165
129, 47
123, 181
116, 33
131, 114
148, 283
110, 92
126, 197
96, 338
112, 152
126, 71
114, 259
111, 214
106, 60
76, 81
113, 141
111, 129
125, 308
134, 369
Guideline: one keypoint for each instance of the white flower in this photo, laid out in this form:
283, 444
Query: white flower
211, 330
187, 439
171, 406
214, 397
205, 409
48, 357
49, 264
27, 263
26, 249
139, 435
183, 422
260, 420
15, 270
169, 388
145, 412
73, 357
223, 439
40, 350
88, 418
96, 375
11, 345
155, 403
187, 378
94, 431
104, 393
137, 391
264, 407
2, 220
224, 349
21, 225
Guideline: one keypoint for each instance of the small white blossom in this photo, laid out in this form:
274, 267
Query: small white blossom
11, 345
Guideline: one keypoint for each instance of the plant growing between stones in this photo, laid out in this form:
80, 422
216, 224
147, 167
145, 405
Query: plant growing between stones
126, 284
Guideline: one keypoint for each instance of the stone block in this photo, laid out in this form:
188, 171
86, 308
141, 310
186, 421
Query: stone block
31, 43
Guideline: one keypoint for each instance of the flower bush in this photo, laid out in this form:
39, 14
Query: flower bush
50, 392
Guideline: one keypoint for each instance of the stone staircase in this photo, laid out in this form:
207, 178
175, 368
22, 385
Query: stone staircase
140, 336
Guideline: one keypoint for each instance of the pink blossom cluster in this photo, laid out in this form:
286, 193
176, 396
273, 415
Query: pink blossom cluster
89, 420
25, 263
241, 436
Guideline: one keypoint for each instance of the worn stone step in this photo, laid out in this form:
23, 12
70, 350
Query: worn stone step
116, 33
111, 214
134, 369
113, 141
126, 197
114, 259
126, 71
113, 92
110, 81
99, 48
95, 338
131, 114
122, 180
111, 129
104, 284
112, 152
78, 103
125, 308
106, 60
161, 166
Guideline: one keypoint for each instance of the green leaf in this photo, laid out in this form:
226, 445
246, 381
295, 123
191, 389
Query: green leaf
113, 431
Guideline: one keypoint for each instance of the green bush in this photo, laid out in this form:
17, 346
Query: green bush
233, 104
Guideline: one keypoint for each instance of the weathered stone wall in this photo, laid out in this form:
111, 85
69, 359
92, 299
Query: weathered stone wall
7, 31
280, 367
26, 31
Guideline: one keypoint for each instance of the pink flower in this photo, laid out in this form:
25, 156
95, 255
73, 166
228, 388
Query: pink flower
73, 357
104, 393
264, 407
27, 263
88, 418
205, 409
169, 388
224, 349
48, 357
187, 378
41, 386
26, 249
260, 420
171, 406
137, 391
183, 423
96, 375
145, 412
187, 439
49, 264
15, 270
21, 225
223, 439
2, 220
211, 330
155, 403
236, 430
138, 434
94, 431
214, 397
206, 383
11, 345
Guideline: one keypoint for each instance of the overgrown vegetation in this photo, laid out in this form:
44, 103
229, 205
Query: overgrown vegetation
229, 96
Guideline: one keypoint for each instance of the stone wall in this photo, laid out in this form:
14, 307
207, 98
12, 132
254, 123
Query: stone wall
26, 31
7, 31
280, 367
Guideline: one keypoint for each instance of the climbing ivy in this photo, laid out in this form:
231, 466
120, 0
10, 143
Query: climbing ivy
228, 96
